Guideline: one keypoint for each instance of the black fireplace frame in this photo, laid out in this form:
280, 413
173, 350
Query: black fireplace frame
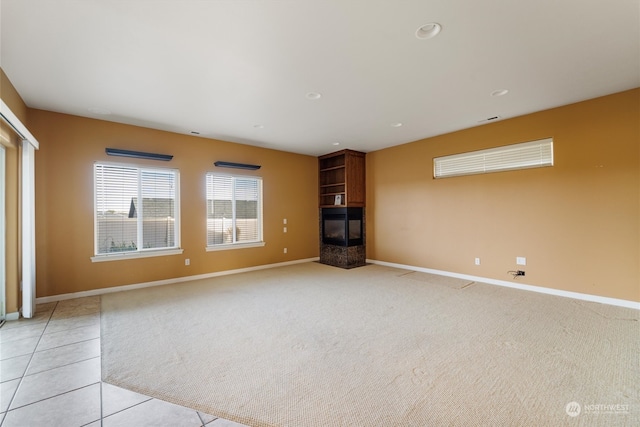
346, 215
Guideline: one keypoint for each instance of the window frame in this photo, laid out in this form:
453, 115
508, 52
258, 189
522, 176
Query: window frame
259, 242
523, 155
139, 252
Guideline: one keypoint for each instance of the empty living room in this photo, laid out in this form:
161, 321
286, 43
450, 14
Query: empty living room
319, 213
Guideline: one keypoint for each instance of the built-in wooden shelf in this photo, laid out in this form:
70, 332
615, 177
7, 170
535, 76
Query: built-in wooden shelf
342, 179
332, 168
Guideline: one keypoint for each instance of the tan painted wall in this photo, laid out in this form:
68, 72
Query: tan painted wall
10, 141
70, 145
12, 98
577, 223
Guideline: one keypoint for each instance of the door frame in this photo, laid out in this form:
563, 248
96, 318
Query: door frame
27, 195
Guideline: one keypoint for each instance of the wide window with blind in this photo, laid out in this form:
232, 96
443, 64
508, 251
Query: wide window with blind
136, 211
525, 155
234, 211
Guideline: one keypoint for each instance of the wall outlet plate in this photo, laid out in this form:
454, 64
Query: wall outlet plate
520, 260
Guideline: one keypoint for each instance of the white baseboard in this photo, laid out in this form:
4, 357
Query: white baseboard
12, 316
522, 286
102, 291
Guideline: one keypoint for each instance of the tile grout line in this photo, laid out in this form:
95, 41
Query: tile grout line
57, 395
61, 366
4, 416
202, 419
127, 408
65, 345
70, 329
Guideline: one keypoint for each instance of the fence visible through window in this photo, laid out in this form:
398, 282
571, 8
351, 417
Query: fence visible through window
234, 210
136, 209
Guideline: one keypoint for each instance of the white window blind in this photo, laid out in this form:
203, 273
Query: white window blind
136, 209
533, 154
234, 210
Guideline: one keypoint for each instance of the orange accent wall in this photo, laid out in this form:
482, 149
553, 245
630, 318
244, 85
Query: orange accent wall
577, 223
69, 146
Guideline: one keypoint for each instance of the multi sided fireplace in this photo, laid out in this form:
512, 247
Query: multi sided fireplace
342, 216
342, 226
342, 237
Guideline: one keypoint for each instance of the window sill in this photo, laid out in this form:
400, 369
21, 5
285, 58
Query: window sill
231, 246
133, 255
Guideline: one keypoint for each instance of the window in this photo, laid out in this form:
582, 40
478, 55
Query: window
136, 211
534, 154
234, 211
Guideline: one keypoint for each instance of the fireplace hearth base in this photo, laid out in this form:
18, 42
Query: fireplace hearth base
343, 256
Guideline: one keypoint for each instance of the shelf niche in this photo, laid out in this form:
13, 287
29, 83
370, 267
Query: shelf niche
341, 179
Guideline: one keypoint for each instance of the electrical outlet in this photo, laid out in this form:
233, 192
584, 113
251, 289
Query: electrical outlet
187, 261
285, 250
284, 221
477, 261
520, 260
284, 229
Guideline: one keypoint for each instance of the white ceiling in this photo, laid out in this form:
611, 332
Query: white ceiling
223, 67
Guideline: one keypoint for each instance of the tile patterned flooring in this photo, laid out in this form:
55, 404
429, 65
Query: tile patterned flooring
50, 376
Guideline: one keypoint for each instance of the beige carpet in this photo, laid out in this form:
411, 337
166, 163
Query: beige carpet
434, 279
311, 345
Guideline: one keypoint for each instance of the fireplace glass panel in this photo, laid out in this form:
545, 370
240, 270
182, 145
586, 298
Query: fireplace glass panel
334, 229
342, 226
355, 229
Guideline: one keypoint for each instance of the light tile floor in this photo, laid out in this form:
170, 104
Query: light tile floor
50, 376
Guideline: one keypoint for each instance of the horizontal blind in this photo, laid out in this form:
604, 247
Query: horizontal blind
116, 189
219, 209
524, 155
246, 212
157, 209
136, 209
233, 209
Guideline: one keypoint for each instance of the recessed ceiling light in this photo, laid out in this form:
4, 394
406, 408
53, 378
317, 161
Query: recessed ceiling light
335, 143
258, 126
428, 31
98, 110
500, 92
313, 96
396, 124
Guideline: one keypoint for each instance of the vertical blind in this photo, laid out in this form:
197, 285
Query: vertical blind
136, 208
233, 209
524, 155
